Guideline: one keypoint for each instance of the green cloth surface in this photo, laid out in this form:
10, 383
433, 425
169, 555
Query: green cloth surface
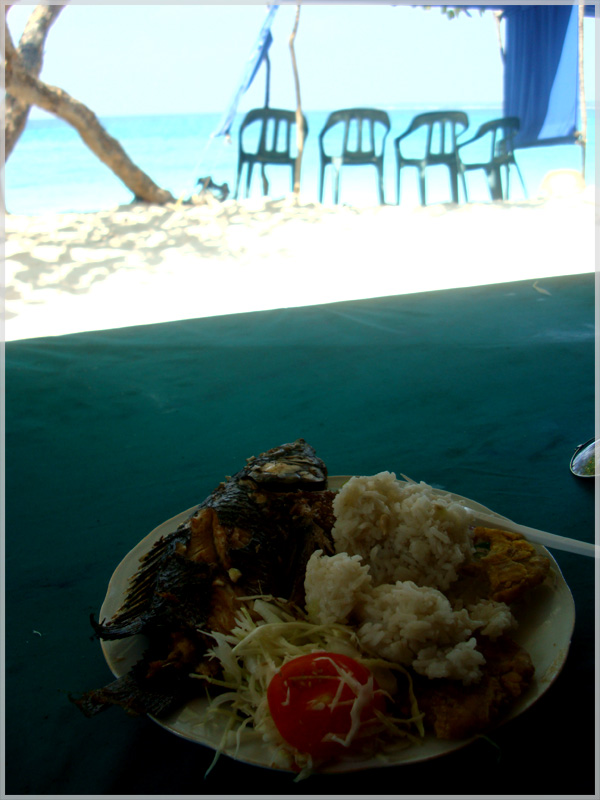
483, 391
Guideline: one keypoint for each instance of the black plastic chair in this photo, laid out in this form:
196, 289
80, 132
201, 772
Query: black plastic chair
271, 142
358, 148
500, 133
436, 133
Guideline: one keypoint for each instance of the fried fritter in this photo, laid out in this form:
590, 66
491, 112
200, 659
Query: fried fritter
455, 711
506, 563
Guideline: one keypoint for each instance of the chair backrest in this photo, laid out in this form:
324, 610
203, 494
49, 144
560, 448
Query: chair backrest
272, 133
503, 132
500, 132
442, 130
363, 131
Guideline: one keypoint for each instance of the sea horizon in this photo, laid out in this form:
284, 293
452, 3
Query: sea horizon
52, 171
38, 115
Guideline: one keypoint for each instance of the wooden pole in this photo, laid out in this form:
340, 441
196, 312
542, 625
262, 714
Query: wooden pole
299, 115
582, 108
498, 21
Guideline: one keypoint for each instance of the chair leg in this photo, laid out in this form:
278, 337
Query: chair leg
454, 184
422, 192
495, 183
380, 184
321, 183
464, 185
237, 182
398, 186
336, 184
249, 168
265, 182
521, 178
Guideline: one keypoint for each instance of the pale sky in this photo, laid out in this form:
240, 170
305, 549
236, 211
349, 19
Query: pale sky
156, 59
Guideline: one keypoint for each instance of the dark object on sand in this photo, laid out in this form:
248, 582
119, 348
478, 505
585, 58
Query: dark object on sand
209, 187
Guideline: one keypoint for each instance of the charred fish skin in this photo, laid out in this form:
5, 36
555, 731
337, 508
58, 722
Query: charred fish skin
252, 535
136, 695
232, 533
251, 529
243, 528
167, 590
295, 464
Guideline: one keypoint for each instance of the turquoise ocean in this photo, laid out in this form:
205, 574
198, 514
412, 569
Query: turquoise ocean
51, 170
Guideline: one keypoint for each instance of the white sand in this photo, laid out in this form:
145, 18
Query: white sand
142, 264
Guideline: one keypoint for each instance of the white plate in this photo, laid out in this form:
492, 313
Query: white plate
545, 628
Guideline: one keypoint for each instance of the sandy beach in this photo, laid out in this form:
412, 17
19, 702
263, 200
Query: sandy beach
142, 264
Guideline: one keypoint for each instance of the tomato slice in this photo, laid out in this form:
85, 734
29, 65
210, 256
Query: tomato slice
319, 696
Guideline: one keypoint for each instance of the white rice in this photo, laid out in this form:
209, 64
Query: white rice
403, 531
495, 618
334, 585
416, 626
398, 549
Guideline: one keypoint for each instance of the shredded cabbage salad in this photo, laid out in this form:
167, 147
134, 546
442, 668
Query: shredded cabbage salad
268, 634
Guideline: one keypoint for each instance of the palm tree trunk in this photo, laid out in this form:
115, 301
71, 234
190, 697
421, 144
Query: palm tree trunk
31, 52
29, 90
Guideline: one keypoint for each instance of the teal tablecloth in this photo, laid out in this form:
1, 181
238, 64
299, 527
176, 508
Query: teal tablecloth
485, 391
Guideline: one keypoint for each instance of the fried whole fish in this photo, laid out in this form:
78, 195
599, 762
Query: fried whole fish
252, 535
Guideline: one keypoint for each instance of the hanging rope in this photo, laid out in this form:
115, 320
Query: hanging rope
258, 55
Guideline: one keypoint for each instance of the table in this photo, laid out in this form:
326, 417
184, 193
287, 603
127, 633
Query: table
484, 391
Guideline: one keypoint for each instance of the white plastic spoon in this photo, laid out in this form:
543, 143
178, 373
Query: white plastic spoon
550, 540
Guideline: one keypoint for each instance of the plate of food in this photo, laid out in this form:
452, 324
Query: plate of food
305, 622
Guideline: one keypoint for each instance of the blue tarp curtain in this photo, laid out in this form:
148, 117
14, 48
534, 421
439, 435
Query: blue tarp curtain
540, 71
541, 77
258, 55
